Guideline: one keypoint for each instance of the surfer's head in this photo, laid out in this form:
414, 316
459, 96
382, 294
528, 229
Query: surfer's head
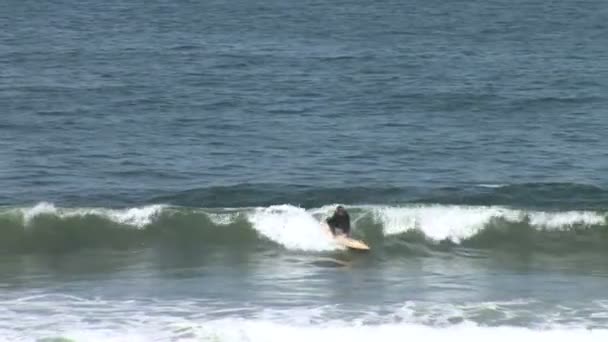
340, 210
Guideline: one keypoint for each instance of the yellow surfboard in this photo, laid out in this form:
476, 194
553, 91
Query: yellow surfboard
351, 243
347, 241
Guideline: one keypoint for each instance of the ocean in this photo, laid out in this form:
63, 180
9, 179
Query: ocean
164, 166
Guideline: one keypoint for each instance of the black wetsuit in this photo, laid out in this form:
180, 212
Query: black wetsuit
341, 222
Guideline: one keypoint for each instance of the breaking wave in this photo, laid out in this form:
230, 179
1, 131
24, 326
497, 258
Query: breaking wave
47, 228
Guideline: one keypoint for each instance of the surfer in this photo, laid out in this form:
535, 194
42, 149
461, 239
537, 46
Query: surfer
339, 220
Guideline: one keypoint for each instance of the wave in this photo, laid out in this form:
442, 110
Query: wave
237, 330
47, 228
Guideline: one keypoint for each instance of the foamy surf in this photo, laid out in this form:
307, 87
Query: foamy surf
235, 330
40, 316
243, 330
455, 223
292, 227
439, 222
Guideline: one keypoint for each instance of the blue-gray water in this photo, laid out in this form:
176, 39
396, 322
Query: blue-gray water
164, 166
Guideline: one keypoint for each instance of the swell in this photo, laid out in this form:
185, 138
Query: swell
416, 229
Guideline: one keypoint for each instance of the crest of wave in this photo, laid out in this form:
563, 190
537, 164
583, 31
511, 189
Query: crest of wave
138, 217
455, 222
440, 222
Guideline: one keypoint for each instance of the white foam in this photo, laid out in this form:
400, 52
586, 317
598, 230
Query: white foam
292, 227
563, 220
242, 330
138, 217
222, 219
38, 316
235, 330
440, 222
39, 209
455, 222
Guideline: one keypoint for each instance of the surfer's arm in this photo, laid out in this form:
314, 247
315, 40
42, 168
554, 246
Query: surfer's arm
331, 222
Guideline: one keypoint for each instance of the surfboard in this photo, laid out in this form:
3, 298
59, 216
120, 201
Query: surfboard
351, 243
347, 241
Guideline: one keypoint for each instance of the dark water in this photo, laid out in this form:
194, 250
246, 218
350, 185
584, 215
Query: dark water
117, 103
164, 164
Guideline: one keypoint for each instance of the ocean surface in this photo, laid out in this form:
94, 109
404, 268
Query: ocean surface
164, 166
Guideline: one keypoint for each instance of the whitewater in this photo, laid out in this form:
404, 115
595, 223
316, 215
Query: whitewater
71, 318
238, 330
